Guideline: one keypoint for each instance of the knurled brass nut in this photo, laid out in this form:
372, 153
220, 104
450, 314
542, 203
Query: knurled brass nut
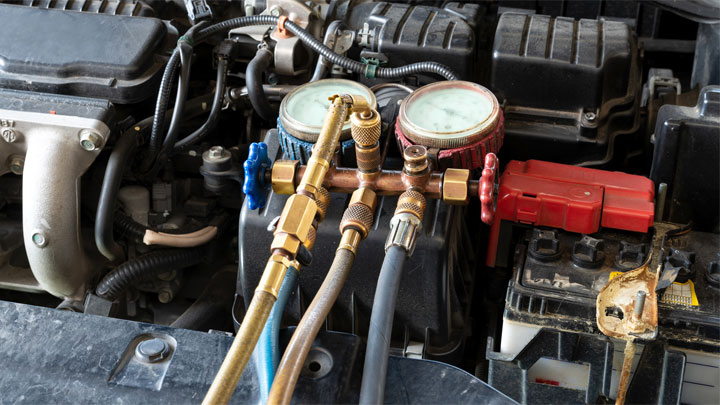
297, 216
322, 199
365, 130
359, 217
365, 196
455, 186
411, 202
283, 176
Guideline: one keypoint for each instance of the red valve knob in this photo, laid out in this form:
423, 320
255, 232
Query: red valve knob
487, 188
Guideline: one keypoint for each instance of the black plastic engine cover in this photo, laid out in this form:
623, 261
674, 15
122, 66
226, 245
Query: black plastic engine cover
431, 306
687, 146
117, 58
574, 82
407, 33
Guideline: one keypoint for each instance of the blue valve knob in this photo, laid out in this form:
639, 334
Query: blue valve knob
254, 185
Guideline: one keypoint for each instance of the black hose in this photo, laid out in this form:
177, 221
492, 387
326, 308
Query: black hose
128, 227
327, 53
124, 148
145, 267
183, 85
254, 82
372, 390
214, 110
158, 126
215, 300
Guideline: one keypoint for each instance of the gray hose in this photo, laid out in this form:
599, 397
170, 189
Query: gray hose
254, 83
372, 390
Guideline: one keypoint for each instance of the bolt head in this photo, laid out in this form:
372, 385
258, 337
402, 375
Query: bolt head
216, 152
17, 163
90, 141
39, 239
275, 11
152, 350
8, 135
165, 296
589, 116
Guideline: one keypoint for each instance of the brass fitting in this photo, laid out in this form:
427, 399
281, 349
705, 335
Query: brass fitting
312, 235
322, 198
274, 273
365, 128
283, 176
286, 242
350, 240
455, 186
365, 196
411, 202
297, 217
359, 217
416, 160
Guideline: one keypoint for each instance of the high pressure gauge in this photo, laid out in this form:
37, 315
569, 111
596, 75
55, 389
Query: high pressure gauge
462, 120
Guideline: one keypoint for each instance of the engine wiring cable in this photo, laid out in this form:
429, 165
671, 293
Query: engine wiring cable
217, 103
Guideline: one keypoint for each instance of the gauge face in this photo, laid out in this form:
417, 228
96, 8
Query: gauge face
448, 114
303, 110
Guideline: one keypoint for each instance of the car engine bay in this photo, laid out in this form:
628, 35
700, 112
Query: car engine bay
356, 201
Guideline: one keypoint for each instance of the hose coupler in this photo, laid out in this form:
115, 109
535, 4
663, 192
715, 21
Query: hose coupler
407, 221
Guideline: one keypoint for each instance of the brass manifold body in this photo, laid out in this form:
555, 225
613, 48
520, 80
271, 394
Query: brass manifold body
453, 186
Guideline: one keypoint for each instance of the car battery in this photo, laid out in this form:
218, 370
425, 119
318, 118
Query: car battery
550, 303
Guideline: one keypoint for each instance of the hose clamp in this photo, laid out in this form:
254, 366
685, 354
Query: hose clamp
404, 228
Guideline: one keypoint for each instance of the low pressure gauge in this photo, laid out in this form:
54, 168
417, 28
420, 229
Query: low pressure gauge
303, 110
463, 120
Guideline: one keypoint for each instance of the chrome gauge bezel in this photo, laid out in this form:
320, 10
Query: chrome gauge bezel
310, 133
448, 139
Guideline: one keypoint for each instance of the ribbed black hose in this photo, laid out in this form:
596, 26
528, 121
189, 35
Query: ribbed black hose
214, 110
327, 53
128, 227
215, 300
372, 390
254, 82
124, 148
146, 267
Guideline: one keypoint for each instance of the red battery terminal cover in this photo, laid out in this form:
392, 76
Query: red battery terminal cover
576, 199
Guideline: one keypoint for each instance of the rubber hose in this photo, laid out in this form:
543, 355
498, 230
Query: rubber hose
267, 352
320, 48
309, 326
217, 104
215, 300
254, 83
144, 268
372, 390
123, 150
161, 105
183, 85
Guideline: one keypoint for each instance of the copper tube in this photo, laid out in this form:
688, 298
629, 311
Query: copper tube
387, 182
314, 318
242, 347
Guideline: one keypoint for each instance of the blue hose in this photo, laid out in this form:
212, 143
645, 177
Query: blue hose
267, 352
